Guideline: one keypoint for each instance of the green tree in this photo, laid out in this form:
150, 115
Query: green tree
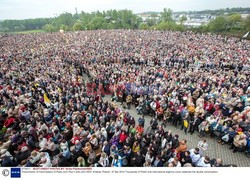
166, 15
143, 26
64, 19
247, 23
23, 25
183, 19
78, 26
234, 18
50, 28
235, 22
65, 27
164, 26
219, 24
97, 23
152, 20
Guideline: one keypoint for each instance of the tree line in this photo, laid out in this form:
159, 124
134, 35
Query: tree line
126, 19
218, 12
111, 19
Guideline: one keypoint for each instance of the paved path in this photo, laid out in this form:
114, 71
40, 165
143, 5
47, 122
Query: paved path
215, 150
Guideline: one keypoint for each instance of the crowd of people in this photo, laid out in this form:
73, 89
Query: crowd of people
52, 112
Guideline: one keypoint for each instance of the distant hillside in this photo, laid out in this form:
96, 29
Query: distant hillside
218, 11
148, 13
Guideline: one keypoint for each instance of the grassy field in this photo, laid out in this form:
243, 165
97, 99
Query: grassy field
24, 32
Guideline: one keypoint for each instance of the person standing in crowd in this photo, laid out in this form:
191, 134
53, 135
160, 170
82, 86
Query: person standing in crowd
203, 146
141, 121
129, 100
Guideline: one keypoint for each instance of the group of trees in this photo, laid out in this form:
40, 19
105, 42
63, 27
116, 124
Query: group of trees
164, 22
126, 19
228, 23
111, 19
24, 25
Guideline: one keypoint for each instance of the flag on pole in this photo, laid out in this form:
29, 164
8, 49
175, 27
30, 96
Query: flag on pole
46, 100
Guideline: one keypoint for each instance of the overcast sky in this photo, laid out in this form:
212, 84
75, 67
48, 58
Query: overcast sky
23, 9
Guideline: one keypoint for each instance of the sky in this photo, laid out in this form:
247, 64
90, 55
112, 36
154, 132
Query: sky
23, 9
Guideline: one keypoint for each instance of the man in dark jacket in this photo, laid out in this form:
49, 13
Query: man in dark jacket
175, 141
141, 121
137, 160
176, 117
62, 162
153, 124
106, 148
7, 162
158, 161
186, 158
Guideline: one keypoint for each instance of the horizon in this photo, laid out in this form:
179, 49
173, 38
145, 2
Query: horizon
29, 9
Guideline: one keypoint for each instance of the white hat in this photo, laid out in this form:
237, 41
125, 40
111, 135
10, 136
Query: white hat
75, 125
24, 148
64, 147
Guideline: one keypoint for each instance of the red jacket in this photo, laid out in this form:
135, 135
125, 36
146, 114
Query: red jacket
123, 137
157, 104
74, 139
208, 106
139, 129
9, 122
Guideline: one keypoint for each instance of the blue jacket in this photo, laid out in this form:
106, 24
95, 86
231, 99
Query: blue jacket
232, 134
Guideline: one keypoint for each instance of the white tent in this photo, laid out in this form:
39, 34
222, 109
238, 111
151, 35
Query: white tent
246, 35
